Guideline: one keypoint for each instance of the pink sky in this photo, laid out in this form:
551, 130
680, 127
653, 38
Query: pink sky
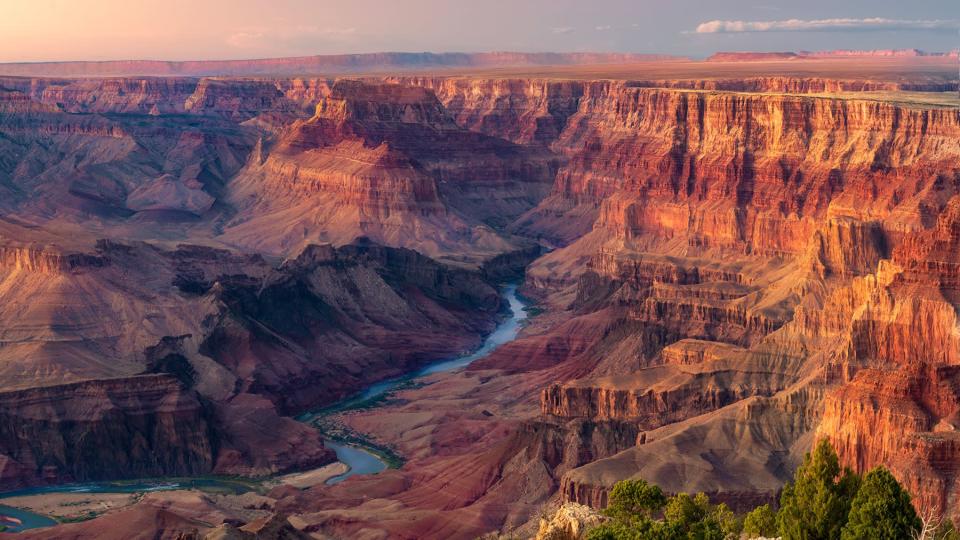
37, 30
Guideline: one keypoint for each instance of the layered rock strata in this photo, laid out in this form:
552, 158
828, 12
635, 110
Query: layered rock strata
742, 266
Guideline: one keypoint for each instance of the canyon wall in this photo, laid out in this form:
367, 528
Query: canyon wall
119, 428
735, 268
780, 245
744, 269
388, 162
129, 360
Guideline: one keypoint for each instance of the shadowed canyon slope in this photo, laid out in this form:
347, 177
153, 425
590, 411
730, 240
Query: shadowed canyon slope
736, 265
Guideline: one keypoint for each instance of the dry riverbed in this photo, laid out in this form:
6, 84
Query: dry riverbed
307, 479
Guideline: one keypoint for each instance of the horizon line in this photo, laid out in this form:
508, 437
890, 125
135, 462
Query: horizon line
664, 56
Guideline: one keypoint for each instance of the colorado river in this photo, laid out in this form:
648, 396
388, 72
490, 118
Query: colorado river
362, 461
16, 520
24, 519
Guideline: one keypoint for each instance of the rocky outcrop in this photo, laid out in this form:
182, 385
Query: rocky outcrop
787, 84
570, 522
116, 428
753, 435
167, 193
524, 111
238, 100
658, 396
46, 261
386, 161
13, 101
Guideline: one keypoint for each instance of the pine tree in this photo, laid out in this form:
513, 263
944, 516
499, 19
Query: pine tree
881, 510
761, 521
694, 518
684, 510
815, 506
619, 530
634, 499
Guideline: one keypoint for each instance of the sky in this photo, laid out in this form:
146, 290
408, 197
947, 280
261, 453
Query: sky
44, 30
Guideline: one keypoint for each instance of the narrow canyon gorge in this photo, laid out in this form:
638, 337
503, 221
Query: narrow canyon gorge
721, 263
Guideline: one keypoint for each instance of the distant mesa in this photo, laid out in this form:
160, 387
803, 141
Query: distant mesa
337, 63
891, 53
345, 64
751, 56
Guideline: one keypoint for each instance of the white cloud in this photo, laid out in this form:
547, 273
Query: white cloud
562, 30
603, 28
801, 25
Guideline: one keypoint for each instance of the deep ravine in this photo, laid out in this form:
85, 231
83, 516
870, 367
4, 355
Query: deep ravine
361, 456
365, 458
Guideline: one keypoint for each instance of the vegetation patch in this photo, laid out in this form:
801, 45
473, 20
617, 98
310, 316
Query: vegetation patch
336, 431
86, 516
824, 502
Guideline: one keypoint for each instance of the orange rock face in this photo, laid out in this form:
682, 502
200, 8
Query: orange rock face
388, 162
788, 201
897, 405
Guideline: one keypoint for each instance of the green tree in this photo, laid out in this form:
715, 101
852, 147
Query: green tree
761, 521
684, 510
881, 510
627, 530
729, 523
694, 518
815, 506
635, 499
